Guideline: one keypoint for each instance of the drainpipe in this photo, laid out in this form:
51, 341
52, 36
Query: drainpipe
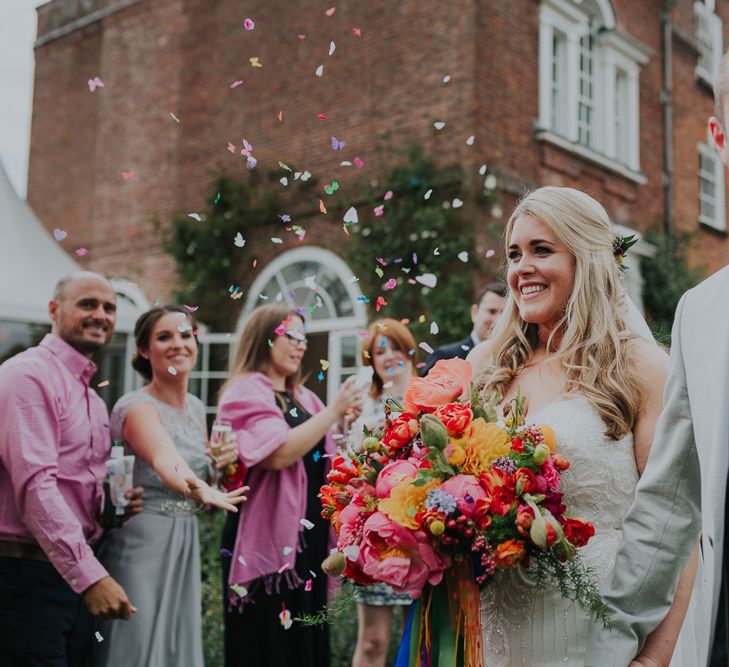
667, 104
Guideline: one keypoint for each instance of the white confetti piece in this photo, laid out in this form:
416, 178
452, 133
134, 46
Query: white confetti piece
306, 524
351, 215
427, 194
482, 169
99, 638
456, 203
284, 181
439, 125
294, 412
434, 328
59, 234
310, 282
195, 216
426, 347
172, 370
490, 182
332, 47
436, 252
239, 240
427, 279
275, 239
463, 256
287, 551
242, 561
240, 591
446, 78
470, 140
319, 70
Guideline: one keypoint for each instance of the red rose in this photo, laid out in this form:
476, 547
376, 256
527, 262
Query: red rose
525, 481
524, 519
578, 531
517, 444
343, 470
400, 431
455, 417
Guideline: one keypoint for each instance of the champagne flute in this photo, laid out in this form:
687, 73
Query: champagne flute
221, 434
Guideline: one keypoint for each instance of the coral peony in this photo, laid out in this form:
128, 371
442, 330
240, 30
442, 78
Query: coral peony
400, 557
445, 382
455, 416
394, 473
467, 491
400, 431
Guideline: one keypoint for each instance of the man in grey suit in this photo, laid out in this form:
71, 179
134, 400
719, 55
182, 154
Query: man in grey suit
683, 492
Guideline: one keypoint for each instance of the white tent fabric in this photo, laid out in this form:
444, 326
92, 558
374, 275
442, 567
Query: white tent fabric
32, 261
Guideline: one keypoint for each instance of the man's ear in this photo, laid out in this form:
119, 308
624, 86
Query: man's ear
53, 310
474, 310
717, 133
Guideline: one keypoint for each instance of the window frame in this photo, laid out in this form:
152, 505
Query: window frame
715, 39
718, 223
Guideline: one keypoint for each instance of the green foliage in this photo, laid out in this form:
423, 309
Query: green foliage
210, 525
207, 259
407, 237
666, 277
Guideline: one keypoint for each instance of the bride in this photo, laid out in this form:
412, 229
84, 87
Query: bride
564, 344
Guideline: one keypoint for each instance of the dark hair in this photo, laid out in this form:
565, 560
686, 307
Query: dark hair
401, 339
497, 288
143, 331
253, 353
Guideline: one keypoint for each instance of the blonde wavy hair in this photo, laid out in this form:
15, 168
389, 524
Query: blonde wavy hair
591, 340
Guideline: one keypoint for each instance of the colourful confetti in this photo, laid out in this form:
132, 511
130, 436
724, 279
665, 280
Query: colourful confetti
249, 24
95, 83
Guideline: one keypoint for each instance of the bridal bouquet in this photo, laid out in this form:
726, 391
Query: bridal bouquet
447, 489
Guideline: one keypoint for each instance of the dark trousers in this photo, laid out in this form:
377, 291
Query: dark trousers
43, 623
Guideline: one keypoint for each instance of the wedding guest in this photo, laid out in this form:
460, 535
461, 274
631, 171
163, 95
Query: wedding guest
683, 492
272, 551
485, 311
54, 444
156, 556
389, 350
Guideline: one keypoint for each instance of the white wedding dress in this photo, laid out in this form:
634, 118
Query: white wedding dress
525, 627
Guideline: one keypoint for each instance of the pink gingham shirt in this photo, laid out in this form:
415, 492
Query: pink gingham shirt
54, 443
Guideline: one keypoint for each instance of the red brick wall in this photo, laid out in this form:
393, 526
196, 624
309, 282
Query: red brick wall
379, 92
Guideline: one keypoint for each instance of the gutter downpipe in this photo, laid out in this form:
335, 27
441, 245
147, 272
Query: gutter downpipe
667, 104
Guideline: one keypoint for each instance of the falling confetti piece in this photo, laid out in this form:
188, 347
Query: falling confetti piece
251, 162
306, 524
240, 591
427, 279
231, 148
456, 203
357, 32
482, 169
316, 455
391, 284
332, 47
100, 639
287, 551
320, 377
239, 240
388, 195
446, 78
255, 62
330, 11
470, 140
284, 181
237, 83
439, 125
379, 210
226, 553
249, 24
301, 36
285, 618
379, 272
59, 234
294, 412
322, 208
280, 116
436, 252
351, 217
104, 383
358, 162
191, 309
172, 370
175, 118
319, 70
490, 182
363, 298
81, 251
242, 561
426, 347
330, 189
434, 329
380, 302
336, 144
463, 256
427, 194
128, 175
308, 585
490, 253
195, 216
95, 83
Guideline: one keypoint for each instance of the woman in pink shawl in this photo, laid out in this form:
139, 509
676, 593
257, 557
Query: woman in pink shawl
272, 551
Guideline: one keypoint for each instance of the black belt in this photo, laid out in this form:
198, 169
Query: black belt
9, 549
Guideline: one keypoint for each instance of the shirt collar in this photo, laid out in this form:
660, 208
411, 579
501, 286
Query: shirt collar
474, 338
80, 366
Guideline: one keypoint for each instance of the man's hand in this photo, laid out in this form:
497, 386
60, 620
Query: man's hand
107, 599
135, 502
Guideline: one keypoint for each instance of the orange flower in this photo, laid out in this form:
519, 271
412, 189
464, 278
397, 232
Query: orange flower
446, 381
509, 553
549, 438
455, 417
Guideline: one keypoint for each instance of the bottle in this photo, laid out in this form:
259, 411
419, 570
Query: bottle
110, 516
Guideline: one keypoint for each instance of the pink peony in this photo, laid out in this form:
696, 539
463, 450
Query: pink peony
550, 474
467, 490
400, 557
393, 473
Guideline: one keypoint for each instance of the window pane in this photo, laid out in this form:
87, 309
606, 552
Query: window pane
585, 100
18, 336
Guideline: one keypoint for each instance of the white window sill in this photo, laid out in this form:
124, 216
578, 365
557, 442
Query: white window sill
591, 155
713, 225
705, 77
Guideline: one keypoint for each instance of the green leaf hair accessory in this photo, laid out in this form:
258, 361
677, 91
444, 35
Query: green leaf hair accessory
621, 245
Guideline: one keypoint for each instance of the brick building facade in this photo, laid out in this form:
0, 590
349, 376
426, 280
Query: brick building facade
554, 92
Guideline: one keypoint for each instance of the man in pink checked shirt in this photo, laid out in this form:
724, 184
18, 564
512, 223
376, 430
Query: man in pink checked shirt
54, 442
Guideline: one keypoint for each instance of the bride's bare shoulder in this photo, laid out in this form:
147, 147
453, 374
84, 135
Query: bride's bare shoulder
479, 356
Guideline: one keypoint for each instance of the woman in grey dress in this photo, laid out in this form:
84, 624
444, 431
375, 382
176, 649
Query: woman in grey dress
155, 556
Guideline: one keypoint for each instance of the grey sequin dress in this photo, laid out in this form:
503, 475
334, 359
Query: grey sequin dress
155, 556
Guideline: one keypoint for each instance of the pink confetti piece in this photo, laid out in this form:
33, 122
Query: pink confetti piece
330, 11
391, 284
301, 36
285, 566
388, 195
95, 83
128, 175
380, 302
379, 210
490, 253
381, 261
232, 148
237, 83
81, 251
191, 309
357, 32
308, 585
358, 162
248, 24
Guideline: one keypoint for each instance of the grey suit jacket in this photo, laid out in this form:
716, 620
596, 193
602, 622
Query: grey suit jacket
681, 492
